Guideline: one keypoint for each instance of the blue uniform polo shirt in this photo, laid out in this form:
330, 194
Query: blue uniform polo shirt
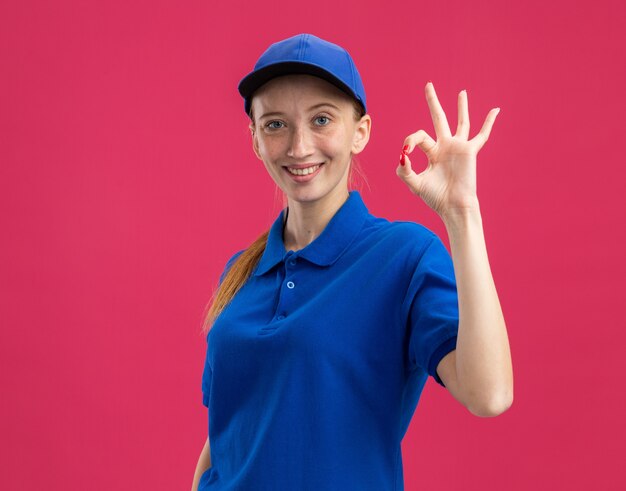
314, 370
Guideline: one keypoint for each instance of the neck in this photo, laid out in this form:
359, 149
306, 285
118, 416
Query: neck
306, 220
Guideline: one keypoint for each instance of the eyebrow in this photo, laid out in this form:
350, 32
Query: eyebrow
316, 106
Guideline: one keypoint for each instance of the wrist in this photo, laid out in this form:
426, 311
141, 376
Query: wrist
465, 215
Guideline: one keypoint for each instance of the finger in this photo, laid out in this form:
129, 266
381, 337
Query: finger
440, 121
406, 173
419, 139
480, 139
463, 126
405, 165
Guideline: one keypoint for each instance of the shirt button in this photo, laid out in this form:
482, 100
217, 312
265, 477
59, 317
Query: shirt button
292, 262
280, 317
290, 284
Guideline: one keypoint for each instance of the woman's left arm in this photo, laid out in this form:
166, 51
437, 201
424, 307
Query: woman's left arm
478, 373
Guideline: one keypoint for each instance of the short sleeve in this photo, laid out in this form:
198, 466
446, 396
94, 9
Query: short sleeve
433, 318
207, 373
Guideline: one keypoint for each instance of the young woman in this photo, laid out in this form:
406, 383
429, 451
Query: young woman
323, 332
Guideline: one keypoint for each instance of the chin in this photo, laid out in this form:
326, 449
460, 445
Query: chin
305, 196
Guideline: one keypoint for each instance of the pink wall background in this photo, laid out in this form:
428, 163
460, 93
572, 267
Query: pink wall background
127, 179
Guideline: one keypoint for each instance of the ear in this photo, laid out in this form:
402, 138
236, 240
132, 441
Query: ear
361, 134
255, 140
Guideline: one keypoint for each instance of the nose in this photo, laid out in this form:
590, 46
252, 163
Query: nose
300, 144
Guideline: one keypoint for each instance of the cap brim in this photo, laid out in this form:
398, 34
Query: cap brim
251, 82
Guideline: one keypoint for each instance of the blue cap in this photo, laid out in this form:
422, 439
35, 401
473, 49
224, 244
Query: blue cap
306, 54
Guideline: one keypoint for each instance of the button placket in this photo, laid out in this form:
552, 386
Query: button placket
291, 262
286, 299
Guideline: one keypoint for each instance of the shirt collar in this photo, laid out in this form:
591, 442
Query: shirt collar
340, 231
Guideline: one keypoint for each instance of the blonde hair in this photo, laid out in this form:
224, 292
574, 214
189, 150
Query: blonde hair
242, 267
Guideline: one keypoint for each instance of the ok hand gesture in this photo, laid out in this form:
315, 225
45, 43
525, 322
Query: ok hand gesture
448, 184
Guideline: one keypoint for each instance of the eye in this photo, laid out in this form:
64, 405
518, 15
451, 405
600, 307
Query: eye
322, 120
272, 125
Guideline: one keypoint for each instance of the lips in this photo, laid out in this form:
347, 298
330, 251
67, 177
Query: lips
304, 177
303, 172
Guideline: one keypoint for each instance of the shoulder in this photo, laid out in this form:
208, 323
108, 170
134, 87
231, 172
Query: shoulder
233, 258
399, 246
401, 233
229, 263
411, 230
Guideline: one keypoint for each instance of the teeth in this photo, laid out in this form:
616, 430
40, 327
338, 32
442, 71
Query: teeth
303, 172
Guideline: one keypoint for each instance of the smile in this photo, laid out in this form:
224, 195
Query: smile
304, 175
305, 171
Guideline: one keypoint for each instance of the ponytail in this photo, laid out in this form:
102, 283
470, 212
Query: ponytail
235, 278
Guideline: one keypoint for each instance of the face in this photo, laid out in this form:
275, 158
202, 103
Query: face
303, 122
